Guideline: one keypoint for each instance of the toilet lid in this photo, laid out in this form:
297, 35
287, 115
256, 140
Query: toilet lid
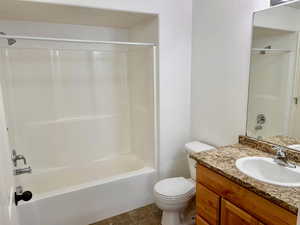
174, 186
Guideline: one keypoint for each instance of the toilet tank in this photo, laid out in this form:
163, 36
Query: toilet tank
195, 147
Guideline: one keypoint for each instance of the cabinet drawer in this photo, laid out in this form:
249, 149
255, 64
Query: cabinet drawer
200, 221
262, 209
208, 204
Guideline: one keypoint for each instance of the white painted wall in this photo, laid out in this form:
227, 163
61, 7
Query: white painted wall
220, 68
43, 29
146, 31
175, 26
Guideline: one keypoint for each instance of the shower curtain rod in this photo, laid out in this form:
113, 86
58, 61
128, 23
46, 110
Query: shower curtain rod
75, 40
271, 50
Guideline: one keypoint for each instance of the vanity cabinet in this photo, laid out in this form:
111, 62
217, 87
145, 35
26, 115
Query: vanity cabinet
231, 214
200, 221
220, 201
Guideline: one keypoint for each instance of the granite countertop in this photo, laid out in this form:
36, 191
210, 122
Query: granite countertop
282, 140
222, 160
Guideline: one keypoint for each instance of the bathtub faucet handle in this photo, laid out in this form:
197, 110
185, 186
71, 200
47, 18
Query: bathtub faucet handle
16, 157
22, 171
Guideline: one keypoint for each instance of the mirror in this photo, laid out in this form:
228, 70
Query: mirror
274, 85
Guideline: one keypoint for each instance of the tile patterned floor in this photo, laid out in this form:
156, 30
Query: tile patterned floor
148, 215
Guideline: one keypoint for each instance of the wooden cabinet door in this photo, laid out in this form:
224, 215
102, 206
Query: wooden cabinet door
208, 205
259, 207
232, 215
200, 221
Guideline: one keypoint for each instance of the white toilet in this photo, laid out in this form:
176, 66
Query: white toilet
172, 195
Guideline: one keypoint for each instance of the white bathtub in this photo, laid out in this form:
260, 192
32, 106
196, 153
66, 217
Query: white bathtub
87, 194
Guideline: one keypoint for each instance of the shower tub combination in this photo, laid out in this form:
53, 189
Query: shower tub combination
87, 194
83, 113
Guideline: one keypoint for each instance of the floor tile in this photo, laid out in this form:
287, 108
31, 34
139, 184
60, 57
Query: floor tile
148, 215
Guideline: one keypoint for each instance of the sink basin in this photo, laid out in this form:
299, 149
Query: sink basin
295, 147
266, 170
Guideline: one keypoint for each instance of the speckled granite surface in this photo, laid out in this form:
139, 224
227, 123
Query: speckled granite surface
268, 146
222, 160
282, 140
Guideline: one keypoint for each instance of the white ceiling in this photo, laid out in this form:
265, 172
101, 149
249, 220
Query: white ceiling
41, 12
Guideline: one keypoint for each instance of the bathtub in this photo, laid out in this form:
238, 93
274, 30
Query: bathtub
86, 194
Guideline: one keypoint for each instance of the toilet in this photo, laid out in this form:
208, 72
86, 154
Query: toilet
173, 195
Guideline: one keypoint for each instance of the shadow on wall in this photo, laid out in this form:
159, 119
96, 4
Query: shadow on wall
277, 2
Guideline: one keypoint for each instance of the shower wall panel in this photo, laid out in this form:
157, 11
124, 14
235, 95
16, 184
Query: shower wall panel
271, 82
141, 83
66, 106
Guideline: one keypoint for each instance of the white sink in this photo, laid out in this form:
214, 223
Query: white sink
295, 147
266, 170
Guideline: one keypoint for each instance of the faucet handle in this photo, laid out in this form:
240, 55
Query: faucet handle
22, 171
16, 157
280, 150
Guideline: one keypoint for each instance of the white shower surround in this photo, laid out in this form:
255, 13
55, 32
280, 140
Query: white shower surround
175, 38
76, 106
99, 190
85, 118
174, 65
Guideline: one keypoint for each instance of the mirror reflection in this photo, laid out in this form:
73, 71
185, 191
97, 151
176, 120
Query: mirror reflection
274, 88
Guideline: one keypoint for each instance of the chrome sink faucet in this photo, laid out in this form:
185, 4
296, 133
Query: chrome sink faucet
281, 158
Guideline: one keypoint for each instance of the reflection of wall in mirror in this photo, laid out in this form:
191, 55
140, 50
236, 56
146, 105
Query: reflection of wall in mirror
272, 74
277, 2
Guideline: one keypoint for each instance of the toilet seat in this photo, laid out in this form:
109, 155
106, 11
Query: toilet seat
187, 195
174, 201
174, 189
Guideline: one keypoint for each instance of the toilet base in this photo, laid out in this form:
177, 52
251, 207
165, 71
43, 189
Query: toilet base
176, 218
171, 218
